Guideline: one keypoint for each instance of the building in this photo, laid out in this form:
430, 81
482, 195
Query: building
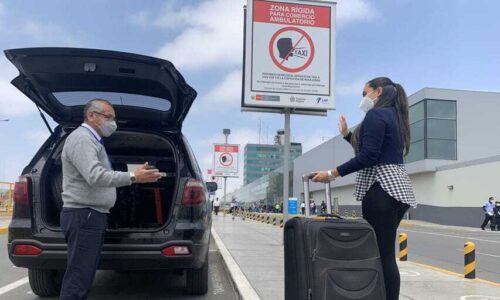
261, 159
454, 159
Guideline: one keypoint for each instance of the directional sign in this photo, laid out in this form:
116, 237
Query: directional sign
290, 54
225, 160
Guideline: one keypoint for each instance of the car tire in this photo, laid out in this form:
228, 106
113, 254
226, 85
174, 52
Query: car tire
45, 283
197, 279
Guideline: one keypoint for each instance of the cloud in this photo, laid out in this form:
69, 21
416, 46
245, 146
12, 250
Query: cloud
2, 10
47, 33
212, 31
229, 90
12, 101
352, 88
37, 137
349, 11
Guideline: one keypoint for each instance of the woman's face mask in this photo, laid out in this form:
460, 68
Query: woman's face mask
367, 103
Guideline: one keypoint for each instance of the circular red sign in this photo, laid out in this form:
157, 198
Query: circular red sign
228, 161
280, 64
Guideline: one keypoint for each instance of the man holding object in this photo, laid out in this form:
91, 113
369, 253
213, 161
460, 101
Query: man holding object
89, 192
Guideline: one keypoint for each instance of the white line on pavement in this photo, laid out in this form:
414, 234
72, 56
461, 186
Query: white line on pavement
244, 287
14, 285
480, 253
453, 236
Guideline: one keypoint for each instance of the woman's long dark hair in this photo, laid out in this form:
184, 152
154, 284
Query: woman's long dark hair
393, 95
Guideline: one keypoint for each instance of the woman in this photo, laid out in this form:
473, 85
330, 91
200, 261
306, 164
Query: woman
382, 183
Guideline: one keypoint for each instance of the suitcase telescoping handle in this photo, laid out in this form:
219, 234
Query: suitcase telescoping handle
305, 179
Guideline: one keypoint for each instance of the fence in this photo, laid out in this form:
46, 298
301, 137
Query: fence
6, 196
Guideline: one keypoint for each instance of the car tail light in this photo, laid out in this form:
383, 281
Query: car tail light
21, 194
176, 251
27, 250
22, 198
194, 193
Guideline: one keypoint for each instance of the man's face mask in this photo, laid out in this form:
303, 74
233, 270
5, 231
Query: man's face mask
108, 128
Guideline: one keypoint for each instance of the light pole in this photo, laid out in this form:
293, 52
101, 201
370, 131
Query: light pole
4, 120
226, 132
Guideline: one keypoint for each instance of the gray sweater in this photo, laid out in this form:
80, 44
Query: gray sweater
88, 178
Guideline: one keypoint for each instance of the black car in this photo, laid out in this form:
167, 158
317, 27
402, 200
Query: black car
161, 225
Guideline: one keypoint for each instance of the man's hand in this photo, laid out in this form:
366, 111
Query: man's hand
144, 175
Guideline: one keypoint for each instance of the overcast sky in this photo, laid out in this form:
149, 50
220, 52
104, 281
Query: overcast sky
424, 43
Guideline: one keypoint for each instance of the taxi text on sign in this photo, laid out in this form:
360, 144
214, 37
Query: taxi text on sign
226, 160
290, 54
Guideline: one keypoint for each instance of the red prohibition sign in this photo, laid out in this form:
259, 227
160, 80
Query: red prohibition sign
228, 161
280, 64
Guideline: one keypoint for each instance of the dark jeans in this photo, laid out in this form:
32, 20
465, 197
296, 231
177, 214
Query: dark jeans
487, 218
384, 214
84, 231
216, 209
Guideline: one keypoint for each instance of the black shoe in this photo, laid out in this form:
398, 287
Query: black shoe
482, 228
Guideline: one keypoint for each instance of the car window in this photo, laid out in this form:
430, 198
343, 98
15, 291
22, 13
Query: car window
75, 98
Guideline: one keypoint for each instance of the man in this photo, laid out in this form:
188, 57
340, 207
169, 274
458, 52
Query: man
89, 192
232, 206
216, 206
488, 213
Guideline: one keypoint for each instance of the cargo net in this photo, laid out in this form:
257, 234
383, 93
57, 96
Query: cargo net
6, 196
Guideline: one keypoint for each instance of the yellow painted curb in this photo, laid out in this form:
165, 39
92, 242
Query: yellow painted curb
453, 273
407, 223
3, 230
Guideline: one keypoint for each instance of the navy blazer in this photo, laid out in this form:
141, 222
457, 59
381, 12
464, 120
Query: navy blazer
379, 143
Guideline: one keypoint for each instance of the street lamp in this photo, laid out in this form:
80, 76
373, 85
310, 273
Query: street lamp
226, 132
4, 120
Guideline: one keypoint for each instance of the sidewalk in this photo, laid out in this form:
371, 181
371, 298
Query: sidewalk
4, 221
257, 249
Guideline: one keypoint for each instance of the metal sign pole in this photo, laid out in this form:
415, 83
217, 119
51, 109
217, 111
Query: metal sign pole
286, 167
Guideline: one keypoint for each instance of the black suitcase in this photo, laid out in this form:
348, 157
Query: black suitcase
331, 258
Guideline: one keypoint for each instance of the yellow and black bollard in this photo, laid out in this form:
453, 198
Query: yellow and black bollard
470, 260
403, 247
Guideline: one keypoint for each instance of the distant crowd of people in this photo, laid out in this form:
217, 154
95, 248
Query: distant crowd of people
491, 214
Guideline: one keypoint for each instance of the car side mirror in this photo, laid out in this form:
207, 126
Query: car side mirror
211, 186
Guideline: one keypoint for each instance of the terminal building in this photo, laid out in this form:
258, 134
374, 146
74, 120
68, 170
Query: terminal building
262, 159
454, 159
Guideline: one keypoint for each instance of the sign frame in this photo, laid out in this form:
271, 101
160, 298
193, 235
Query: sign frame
311, 104
219, 169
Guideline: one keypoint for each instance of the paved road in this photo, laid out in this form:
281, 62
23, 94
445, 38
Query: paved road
442, 246
135, 285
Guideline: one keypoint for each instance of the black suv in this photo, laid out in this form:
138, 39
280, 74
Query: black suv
161, 225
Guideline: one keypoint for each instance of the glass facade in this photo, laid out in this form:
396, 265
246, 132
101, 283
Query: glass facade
260, 159
264, 192
433, 126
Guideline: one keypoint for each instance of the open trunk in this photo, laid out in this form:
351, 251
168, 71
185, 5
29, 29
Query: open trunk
139, 206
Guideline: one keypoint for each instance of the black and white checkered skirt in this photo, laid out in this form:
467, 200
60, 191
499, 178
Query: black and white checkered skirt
392, 178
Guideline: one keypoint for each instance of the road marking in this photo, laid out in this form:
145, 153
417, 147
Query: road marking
241, 282
480, 253
454, 273
479, 297
453, 236
14, 285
